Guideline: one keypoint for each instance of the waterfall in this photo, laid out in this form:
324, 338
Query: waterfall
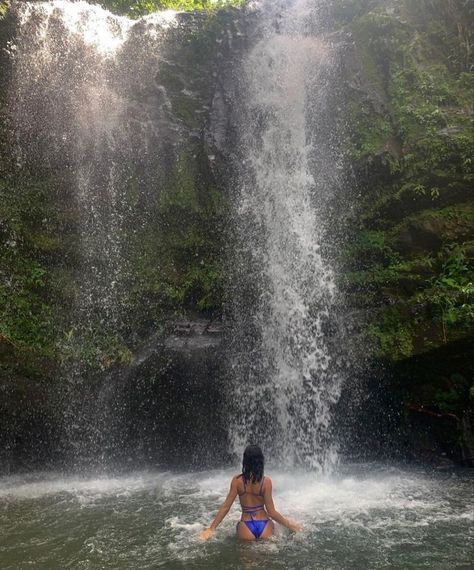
78, 107
106, 108
74, 106
285, 381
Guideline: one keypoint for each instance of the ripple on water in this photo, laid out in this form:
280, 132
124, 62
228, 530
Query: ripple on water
366, 517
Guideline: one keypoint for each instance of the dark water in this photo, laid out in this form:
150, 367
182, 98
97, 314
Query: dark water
366, 517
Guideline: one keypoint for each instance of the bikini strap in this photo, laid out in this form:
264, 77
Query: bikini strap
260, 491
243, 481
251, 511
248, 510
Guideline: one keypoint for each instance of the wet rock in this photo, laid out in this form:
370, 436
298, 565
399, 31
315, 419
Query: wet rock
420, 236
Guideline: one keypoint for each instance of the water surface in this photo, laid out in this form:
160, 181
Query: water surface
365, 517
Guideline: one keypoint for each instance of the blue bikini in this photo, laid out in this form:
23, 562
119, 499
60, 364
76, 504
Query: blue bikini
256, 527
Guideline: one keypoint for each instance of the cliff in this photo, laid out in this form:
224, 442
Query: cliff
409, 253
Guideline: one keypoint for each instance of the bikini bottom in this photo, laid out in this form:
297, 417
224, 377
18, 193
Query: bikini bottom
256, 527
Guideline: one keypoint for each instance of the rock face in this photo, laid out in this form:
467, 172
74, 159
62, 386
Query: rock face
406, 246
409, 257
176, 401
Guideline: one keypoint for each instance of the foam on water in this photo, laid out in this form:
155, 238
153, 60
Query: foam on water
301, 494
394, 517
41, 485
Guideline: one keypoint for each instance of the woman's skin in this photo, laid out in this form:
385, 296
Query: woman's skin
269, 512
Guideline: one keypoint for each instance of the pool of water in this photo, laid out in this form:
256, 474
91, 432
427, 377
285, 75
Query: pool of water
367, 516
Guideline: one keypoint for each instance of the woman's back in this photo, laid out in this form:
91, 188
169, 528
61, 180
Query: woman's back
255, 495
255, 520
251, 493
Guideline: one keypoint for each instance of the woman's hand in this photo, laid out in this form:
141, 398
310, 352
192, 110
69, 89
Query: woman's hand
295, 527
221, 513
206, 534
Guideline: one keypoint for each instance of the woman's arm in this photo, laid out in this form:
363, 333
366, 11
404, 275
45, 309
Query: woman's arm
223, 510
272, 512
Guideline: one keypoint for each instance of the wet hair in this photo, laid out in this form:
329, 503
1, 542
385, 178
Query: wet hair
252, 464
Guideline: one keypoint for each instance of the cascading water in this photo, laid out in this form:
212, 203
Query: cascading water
285, 379
79, 78
87, 102
113, 114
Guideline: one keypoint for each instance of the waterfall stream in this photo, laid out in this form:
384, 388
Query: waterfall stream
87, 102
285, 379
78, 107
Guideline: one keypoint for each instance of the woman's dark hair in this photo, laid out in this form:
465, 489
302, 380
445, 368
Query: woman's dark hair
252, 464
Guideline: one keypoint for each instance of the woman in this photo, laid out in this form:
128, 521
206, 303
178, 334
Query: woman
255, 494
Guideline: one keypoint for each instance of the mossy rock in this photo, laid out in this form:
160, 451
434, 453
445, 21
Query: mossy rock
429, 230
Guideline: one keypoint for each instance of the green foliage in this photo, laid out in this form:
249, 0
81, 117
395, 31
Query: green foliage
372, 134
25, 317
26, 234
452, 291
93, 348
346, 11
427, 107
451, 398
431, 292
179, 260
428, 103
437, 140
3, 7
448, 24
412, 260
371, 251
392, 334
136, 8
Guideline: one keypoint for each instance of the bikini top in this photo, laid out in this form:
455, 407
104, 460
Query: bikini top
251, 510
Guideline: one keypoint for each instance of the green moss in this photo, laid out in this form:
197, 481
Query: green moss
28, 233
392, 334
369, 248
25, 317
411, 133
372, 135
136, 8
4, 7
92, 349
179, 262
